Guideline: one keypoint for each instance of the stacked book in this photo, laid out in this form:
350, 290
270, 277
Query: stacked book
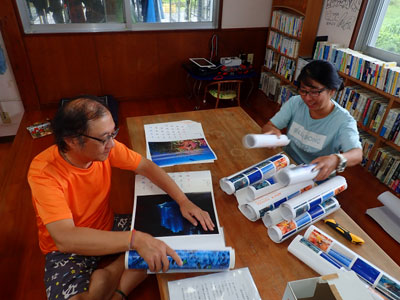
385, 165
367, 142
270, 85
286, 92
271, 59
287, 23
366, 107
284, 45
380, 74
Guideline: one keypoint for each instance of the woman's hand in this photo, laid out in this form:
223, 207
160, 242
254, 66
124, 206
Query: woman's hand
325, 165
269, 128
195, 214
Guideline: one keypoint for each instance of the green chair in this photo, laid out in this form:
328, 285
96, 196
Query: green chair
224, 90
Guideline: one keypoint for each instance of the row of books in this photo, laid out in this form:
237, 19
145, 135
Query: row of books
287, 23
282, 65
367, 141
380, 74
385, 166
284, 45
391, 126
270, 85
366, 107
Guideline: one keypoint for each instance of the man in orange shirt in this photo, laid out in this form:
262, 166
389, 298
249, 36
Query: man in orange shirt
70, 184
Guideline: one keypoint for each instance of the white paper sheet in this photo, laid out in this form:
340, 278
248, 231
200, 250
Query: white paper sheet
231, 285
264, 140
388, 215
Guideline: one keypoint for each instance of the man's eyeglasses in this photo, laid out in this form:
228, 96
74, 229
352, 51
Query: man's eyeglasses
314, 93
104, 141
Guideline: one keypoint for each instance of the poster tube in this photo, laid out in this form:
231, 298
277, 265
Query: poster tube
254, 173
304, 202
193, 260
285, 229
264, 140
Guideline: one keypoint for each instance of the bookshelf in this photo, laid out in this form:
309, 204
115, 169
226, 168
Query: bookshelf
371, 95
294, 25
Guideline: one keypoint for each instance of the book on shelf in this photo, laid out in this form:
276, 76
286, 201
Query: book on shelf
287, 23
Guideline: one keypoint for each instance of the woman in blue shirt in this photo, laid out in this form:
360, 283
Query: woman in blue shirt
321, 131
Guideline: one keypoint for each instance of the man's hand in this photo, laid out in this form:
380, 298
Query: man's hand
326, 165
154, 252
193, 213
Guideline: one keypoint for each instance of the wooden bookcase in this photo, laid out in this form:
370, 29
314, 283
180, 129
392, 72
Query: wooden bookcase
394, 102
310, 11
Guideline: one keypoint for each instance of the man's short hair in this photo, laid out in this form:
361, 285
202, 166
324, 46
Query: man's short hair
71, 119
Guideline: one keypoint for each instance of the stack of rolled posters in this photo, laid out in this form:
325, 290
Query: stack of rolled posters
254, 173
264, 140
296, 174
285, 229
257, 208
311, 198
193, 260
325, 255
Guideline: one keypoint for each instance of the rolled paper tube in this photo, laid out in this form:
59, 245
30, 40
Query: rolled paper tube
286, 229
256, 209
196, 260
264, 140
364, 269
264, 187
312, 256
254, 173
307, 200
272, 217
297, 174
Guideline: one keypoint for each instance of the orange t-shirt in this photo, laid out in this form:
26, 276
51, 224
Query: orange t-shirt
62, 191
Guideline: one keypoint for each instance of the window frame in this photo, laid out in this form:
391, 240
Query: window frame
128, 25
372, 21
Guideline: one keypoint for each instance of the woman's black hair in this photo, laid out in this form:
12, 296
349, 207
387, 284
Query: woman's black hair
323, 72
71, 119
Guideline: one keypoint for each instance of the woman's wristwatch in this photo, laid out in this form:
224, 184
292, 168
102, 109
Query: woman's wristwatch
342, 163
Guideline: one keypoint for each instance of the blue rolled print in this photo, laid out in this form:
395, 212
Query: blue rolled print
285, 229
304, 202
253, 174
203, 260
365, 270
341, 258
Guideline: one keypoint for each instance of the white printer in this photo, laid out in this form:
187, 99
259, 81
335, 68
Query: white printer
231, 61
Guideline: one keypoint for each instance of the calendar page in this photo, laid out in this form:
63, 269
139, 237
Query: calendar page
158, 214
176, 143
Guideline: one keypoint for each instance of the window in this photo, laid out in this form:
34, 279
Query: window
110, 15
380, 30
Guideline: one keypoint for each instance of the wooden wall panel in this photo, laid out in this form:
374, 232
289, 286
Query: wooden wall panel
63, 65
128, 64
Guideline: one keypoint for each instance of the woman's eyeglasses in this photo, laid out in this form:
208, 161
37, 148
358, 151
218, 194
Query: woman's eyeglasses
314, 93
103, 141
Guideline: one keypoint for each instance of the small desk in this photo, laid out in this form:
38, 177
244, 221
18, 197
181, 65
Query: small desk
270, 264
195, 87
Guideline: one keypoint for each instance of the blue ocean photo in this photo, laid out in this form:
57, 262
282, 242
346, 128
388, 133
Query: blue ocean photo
180, 152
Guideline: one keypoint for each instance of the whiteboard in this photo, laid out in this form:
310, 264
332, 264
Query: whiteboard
338, 19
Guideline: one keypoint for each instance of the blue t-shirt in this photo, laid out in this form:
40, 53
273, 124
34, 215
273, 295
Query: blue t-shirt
311, 138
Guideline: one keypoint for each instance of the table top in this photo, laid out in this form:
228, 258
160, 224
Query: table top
270, 264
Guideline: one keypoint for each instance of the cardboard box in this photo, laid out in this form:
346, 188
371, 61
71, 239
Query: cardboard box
345, 285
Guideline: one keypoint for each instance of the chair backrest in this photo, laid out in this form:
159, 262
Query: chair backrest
224, 89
